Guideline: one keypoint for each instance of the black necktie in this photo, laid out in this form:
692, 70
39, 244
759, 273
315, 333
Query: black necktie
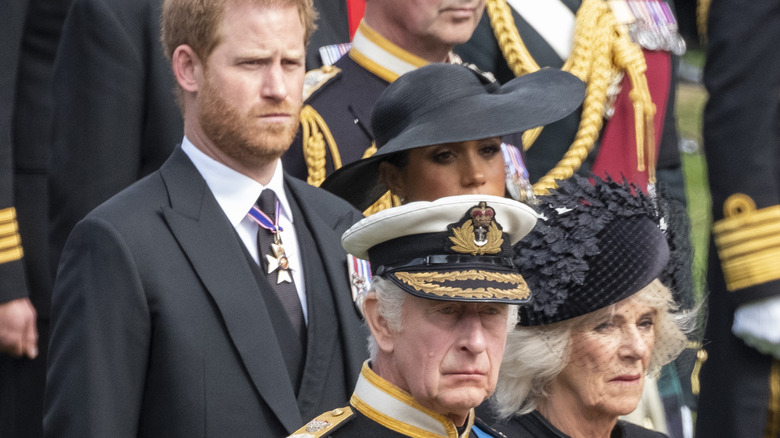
268, 247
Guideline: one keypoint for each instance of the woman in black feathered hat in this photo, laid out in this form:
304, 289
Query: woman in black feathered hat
601, 318
438, 132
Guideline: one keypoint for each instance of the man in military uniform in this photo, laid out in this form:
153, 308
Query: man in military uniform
439, 310
395, 36
28, 41
622, 51
740, 379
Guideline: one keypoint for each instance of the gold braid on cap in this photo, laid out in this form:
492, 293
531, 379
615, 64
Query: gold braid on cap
602, 51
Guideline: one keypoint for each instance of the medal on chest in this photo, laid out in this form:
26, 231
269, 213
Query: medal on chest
277, 260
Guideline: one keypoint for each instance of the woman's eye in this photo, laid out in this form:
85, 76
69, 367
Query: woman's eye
443, 157
646, 323
490, 150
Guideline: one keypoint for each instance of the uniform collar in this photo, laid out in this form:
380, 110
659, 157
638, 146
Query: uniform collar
378, 55
395, 409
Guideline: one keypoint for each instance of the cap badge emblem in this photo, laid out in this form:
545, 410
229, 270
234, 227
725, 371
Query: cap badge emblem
478, 234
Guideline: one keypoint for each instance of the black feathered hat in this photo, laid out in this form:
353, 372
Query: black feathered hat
596, 243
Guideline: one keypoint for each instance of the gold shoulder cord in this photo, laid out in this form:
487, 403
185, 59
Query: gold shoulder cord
602, 49
315, 135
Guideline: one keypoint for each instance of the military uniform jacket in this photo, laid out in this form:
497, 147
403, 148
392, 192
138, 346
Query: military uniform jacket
335, 122
380, 409
742, 143
613, 150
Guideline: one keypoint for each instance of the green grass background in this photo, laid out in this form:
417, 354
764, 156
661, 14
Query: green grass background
690, 104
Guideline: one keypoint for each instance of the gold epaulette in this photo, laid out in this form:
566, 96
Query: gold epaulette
748, 242
317, 78
315, 136
324, 423
10, 241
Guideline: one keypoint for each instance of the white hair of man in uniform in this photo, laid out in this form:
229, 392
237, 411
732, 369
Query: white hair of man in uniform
390, 298
534, 356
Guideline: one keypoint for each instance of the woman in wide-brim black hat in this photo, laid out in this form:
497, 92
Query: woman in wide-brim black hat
438, 132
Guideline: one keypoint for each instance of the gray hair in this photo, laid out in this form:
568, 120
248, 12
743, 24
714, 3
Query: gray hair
390, 298
534, 356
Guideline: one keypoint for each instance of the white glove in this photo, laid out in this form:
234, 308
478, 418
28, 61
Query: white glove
758, 324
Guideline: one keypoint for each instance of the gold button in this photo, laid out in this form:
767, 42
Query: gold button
337, 412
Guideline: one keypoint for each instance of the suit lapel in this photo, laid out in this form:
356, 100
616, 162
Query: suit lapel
213, 248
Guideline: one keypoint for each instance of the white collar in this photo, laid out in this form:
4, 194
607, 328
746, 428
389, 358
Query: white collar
378, 55
395, 409
235, 192
551, 19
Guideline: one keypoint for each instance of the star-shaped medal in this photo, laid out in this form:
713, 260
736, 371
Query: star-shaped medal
278, 262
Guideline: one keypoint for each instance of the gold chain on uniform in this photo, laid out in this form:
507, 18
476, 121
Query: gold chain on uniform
602, 49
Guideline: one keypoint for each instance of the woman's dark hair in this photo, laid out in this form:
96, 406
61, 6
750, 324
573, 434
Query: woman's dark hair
399, 159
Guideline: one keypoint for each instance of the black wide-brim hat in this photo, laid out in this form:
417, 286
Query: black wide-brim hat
446, 103
456, 248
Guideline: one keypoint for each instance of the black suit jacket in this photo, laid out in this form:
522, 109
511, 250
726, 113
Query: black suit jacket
116, 118
159, 327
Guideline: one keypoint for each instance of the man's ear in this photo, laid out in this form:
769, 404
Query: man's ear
187, 68
378, 324
393, 179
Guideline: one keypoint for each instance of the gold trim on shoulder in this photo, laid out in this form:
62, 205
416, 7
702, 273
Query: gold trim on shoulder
316, 78
10, 240
324, 423
602, 50
315, 137
748, 242
433, 283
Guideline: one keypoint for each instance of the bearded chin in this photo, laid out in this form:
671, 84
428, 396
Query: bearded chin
241, 137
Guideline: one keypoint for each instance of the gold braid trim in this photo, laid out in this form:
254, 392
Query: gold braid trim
748, 242
387, 200
628, 56
315, 135
702, 12
597, 39
431, 283
10, 241
772, 428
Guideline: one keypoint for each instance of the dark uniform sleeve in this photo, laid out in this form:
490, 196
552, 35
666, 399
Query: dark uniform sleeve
12, 281
742, 146
116, 117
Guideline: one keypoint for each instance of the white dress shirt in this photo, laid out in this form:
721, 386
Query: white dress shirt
236, 193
